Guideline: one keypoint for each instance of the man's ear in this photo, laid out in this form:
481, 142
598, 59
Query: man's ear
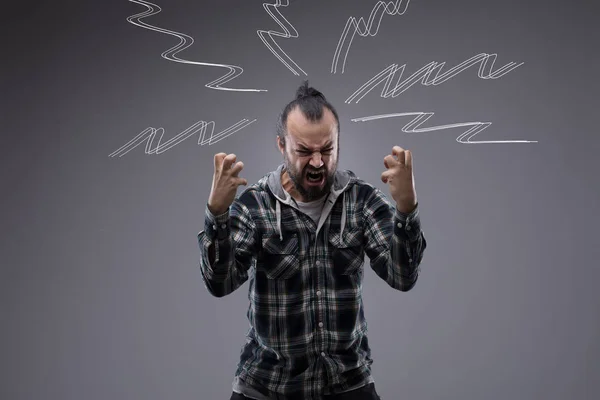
281, 148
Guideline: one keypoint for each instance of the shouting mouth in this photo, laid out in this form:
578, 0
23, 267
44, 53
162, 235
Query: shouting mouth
314, 179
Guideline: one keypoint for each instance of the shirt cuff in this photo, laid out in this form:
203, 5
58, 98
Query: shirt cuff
407, 226
216, 225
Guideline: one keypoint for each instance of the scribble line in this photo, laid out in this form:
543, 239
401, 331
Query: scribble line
150, 136
370, 28
429, 75
421, 117
288, 32
186, 41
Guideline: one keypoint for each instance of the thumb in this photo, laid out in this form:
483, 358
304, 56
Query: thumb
385, 176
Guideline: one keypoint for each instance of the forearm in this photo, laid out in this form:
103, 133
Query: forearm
408, 245
220, 271
396, 245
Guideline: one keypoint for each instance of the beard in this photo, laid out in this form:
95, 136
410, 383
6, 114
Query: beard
310, 193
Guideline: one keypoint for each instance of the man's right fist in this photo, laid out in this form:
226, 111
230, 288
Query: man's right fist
225, 183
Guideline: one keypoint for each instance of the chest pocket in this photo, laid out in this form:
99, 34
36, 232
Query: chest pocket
347, 255
280, 258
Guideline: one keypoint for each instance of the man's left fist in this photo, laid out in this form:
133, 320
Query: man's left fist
399, 176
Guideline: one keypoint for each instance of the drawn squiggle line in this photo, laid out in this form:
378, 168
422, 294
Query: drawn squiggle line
185, 42
422, 117
354, 26
149, 135
424, 75
288, 32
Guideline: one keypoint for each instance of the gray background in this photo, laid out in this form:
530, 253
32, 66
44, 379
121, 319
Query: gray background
101, 295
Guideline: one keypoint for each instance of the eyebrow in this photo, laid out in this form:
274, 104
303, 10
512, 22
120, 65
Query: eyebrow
303, 147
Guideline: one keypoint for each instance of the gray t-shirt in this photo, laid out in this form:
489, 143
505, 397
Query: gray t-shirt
313, 208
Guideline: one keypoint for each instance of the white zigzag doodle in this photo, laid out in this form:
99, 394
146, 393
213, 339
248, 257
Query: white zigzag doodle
288, 32
422, 117
424, 74
149, 134
427, 75
186, 41
370, 28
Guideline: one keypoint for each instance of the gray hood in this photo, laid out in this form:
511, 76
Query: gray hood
342, 181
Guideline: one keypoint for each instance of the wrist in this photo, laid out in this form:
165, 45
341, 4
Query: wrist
406, 208
216, 211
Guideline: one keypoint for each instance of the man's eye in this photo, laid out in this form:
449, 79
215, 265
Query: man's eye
307, 153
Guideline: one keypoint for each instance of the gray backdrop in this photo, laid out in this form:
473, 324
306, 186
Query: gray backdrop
101, 295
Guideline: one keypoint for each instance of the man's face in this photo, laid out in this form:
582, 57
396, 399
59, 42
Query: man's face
311, 147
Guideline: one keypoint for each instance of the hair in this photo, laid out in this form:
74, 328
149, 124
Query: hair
311, 103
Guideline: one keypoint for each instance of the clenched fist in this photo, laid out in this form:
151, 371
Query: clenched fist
225, 183
400, 178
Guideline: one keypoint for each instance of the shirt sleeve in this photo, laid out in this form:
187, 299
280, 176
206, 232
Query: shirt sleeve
395, 242
227, 249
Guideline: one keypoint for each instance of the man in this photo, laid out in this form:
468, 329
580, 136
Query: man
299, 236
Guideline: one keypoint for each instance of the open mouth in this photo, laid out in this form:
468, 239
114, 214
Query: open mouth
315, 178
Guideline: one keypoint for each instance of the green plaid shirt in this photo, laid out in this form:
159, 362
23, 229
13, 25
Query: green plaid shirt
308, 333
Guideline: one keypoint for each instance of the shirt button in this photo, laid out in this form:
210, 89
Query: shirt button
323, 353
410, 260
318, 262
320, 324
408, 227
223, 226
214, 227
318, 292
399, 225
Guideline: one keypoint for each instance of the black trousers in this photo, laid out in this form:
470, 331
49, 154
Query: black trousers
367, 392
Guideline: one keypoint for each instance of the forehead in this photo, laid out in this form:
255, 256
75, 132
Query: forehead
311, 133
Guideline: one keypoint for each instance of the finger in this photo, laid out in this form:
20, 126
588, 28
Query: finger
389, 161
228, 160
397, 150
241, 181
409, 160
219, 160
400, 153
235, 170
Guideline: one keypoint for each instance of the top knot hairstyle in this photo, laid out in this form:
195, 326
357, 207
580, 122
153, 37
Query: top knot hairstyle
311, 102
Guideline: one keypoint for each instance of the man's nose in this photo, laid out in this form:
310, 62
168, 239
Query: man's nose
316, 160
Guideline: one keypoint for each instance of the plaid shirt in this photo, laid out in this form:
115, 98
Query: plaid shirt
308, 333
